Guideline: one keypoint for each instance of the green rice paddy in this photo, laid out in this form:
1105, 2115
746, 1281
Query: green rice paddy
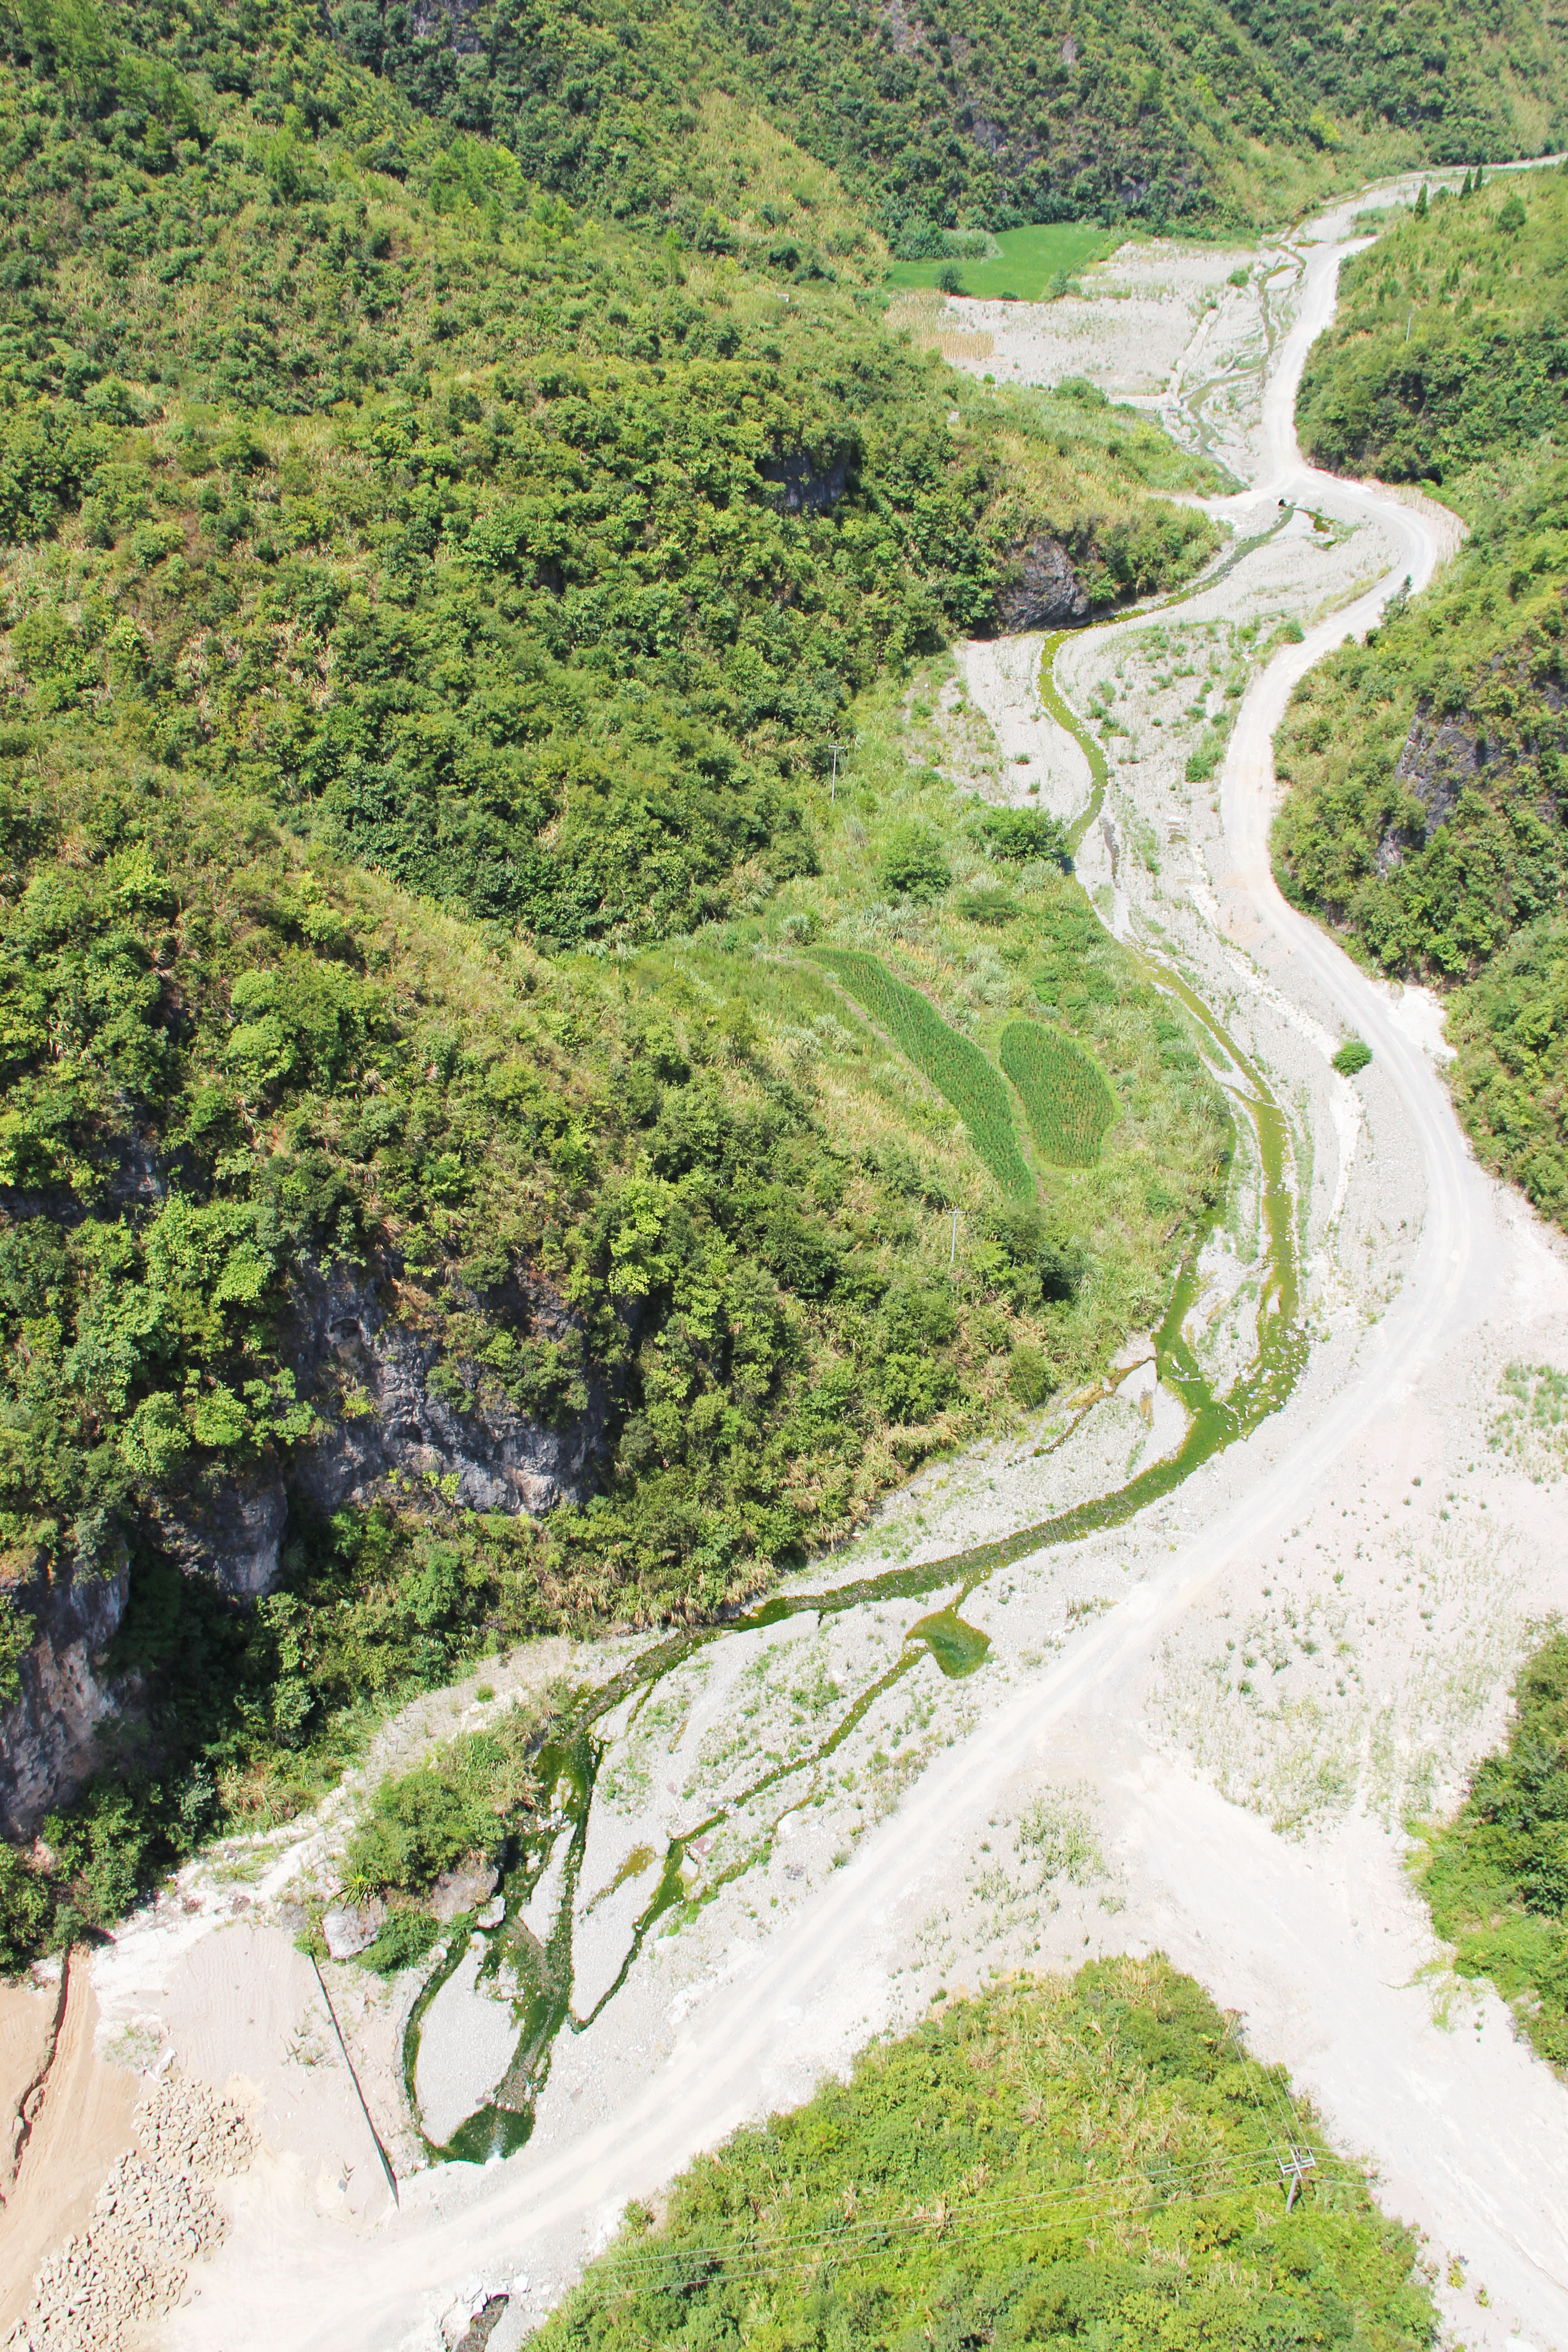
1028, 259
1065, 1098
956, 1068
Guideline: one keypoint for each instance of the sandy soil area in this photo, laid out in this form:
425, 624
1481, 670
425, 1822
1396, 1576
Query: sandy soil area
27, 2018
1202, 1730
79, 2126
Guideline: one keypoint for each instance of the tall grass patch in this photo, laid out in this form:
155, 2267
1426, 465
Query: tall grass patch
1065, 1099
957, 1069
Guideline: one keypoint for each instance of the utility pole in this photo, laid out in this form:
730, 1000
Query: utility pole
833, 788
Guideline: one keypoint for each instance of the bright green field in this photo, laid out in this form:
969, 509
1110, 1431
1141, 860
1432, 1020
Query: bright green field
1068, 1102
1029, 259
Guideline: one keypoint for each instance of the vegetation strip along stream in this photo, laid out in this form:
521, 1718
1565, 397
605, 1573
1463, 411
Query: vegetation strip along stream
1214, 1422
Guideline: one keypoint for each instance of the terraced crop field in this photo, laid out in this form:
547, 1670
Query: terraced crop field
956, 1068
1065, 1097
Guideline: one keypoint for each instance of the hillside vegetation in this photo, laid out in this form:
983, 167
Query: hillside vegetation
426, 618
1496, 1876
1086, 2159
979, 112
1425, 810
1450, 346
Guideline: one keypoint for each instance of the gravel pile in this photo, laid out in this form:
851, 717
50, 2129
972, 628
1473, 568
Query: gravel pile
154, 2214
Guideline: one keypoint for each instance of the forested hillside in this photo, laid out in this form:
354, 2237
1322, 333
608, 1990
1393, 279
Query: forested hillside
1426, 813
978, 112
1449, 352
441, 1197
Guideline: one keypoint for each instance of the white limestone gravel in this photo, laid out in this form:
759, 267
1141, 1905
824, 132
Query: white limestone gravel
153, 2216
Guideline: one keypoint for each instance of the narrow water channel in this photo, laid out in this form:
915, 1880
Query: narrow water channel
531, 1966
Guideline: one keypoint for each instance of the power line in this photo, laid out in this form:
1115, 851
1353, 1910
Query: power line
1256, 2169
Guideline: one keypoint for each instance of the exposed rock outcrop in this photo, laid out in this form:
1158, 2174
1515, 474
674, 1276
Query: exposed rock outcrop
806, 487
51, 1734
350, 1928
495, 1455
368, 1373
1040, 590
456, 1891
1440, 757
229, 1528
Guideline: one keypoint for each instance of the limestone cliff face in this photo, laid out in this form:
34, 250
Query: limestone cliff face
1440, 757
1040, 590
498, 1457
51, 1736
367, 1370
1447, 753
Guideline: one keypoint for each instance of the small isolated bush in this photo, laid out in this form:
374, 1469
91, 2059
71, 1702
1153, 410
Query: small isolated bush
914, 863
1203, 760
417, 1826
1354, 1056
989, 906
949, 278
403, 1942
1013, 835
1034, 1265
1029, 1375
1290, 632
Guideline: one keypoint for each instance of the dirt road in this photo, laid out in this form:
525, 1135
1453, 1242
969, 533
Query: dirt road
1317, 1939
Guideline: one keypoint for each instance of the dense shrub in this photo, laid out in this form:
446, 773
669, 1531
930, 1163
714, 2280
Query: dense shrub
1015, 835
1089, 2160
914, 864
1496, 1874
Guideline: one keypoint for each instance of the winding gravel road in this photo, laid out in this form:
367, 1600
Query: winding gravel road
1472, 2135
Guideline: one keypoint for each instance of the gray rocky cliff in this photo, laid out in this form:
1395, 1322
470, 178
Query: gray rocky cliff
1440, 757
1040, 590
51, 1735
805, 485
490, 1455
382, 1425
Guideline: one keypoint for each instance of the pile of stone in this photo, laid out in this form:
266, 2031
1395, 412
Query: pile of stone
154, 2214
